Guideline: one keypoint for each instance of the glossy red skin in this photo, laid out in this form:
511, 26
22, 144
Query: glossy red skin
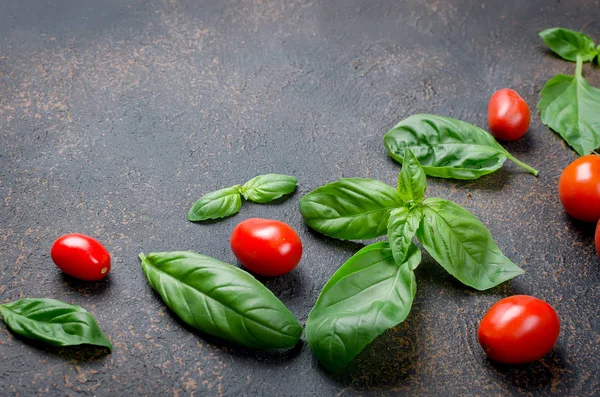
519, 329
266, 247
508, 115
579, 188
81, 256
598, 238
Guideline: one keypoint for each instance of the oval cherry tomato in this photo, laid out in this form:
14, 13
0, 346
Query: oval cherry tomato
579, 188
266, 247
598, 238
81, 256
508, 115
519, 329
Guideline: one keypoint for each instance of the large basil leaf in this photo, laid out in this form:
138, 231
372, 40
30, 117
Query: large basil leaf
569, 44
571, 107
402, 227
351, 208
463, 246
54, 322
448, 148
369, 294
411, 179
221, 300
218, 204
265, 188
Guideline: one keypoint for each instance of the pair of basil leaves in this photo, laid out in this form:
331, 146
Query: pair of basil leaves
228, 201
569, 104
374, 290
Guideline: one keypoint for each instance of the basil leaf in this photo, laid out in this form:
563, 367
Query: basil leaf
369, 294
265, 188
411, 180
218, 204
221, 300
571, 107
402, 227
463, 246
54, 322
351, 208
448, 148
568, 44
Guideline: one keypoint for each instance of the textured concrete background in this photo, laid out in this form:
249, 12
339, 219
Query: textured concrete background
116, 115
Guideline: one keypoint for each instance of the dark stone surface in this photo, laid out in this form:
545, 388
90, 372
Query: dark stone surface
116, 115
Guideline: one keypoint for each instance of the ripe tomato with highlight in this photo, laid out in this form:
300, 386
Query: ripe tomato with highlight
508, 115
81, 256
579, 188
518, 329
266, 247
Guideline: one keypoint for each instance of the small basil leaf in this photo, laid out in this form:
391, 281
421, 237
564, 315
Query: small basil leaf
411, 180
265, 188
402, 227
218, 204
369, 294
463, 246
221, 300
448, 148
53, 322
351, 208
571, 107
569, 44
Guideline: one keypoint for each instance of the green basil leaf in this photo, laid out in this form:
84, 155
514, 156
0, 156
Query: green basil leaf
411, 180
448, 148
402, 227
265, 188
369, 294
571, 107
351, 208
569, 44
218, 204
221, 300
463, 246
53, 322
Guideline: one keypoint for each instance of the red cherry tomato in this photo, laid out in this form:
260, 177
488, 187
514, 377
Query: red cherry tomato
81, 256
519, 329
266, 247
598, 238
508, 115
579, 188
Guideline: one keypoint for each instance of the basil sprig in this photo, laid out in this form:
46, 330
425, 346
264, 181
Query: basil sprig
569, 105
54, 322
221, 300
374, 290
228, 201
448, 148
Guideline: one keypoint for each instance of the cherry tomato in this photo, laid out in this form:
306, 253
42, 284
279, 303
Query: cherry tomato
508, 115
81, 256
266, 247
579, 188
519, 329
598, 238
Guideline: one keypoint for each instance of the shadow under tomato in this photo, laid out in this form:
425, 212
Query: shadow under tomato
550, 370
86, 288
283, 287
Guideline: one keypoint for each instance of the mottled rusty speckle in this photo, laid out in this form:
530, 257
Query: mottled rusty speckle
116, 115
